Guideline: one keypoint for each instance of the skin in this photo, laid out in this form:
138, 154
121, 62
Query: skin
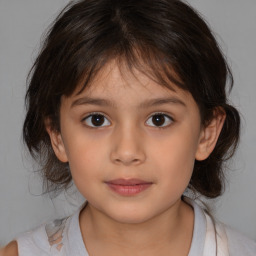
128, 145
10, 250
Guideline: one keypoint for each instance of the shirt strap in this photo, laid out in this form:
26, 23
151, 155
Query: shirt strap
216, 242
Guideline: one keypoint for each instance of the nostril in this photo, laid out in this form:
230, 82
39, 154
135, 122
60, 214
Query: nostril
127, 161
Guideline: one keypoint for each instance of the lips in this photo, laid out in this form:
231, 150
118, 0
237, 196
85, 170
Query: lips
128, 187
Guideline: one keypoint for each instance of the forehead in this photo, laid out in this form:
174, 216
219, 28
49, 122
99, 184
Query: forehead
115, 78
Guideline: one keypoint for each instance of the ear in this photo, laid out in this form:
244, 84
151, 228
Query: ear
210, 134
56, 141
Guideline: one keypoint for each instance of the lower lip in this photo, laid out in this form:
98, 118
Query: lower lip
129, 190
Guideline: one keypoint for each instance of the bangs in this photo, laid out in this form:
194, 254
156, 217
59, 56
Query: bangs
147, 61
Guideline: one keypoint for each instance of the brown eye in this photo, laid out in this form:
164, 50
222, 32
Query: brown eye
159, 120
96, 120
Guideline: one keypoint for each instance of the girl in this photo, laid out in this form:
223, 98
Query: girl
127, 99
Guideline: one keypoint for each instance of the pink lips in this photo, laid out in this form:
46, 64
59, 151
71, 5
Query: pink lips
128, 187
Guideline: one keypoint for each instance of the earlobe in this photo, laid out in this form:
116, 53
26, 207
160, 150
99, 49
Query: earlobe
57, 142
209, 135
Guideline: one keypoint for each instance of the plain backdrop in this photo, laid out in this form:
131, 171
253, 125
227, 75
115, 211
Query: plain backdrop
21, 24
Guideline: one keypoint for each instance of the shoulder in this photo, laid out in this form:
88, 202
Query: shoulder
239, 244
47, 239
229, 241
33, 242
10, 250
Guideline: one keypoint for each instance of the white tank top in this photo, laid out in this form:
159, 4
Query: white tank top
63, 238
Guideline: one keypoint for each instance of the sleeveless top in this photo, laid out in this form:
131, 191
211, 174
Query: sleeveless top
63, 238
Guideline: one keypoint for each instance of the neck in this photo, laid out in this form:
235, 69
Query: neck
170, 231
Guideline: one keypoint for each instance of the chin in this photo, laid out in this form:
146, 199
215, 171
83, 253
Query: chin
130, 216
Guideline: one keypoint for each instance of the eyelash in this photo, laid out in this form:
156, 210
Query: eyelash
91, 115
171, 120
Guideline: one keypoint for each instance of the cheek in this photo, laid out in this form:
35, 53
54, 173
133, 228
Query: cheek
85, 168
175, 171
85, 159
175, 155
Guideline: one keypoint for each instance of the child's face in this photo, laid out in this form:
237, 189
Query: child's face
121, 161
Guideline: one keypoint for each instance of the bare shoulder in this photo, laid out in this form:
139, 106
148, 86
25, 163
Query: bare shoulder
10, 250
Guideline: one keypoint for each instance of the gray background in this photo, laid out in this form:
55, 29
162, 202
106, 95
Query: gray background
21, 25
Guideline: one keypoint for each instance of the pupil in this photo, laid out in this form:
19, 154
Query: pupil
158, 120
97, 120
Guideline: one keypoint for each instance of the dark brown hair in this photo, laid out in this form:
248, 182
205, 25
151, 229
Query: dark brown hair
155, 36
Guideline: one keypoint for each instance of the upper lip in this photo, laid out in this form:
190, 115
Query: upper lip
127, 182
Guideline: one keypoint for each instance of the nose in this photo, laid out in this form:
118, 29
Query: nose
127, 147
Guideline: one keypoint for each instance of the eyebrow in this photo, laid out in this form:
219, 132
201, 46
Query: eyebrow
93, 101
144, 104
161, 101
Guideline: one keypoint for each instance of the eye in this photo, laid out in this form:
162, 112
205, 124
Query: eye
159, 120
96, 120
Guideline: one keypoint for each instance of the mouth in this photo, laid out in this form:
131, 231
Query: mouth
128, 187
